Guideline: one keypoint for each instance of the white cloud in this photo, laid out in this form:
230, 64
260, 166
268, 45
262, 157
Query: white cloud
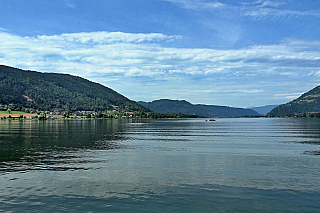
116, 56
263, 3
288, 96
197, 4
257, 9
94, 38
264, 8
317, 74
140, 54
272, 12
70, 4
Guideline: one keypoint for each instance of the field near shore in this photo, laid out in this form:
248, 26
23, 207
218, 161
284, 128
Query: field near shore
16, 114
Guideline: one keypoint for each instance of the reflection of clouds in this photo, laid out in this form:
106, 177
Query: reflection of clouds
238, 161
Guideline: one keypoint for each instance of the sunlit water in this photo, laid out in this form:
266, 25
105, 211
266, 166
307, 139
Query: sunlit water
230, 165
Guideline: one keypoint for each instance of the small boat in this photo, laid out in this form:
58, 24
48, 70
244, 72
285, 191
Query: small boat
212, 120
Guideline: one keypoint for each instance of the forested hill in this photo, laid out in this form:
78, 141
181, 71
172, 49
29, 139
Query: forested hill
47, 91
184, 107
173, 106
225, 111
306, 103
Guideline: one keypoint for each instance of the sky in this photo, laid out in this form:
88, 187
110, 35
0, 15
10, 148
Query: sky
239, 53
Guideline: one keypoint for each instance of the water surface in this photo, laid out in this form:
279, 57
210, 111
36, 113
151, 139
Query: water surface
174, 165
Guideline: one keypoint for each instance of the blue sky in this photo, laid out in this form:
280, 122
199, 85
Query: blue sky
238, 53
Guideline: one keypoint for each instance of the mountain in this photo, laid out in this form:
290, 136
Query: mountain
184, 107
175, 106
47, 91
263, 110
308, 102
225, 111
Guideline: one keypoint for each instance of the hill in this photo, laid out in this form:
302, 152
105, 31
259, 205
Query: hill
307, 102
263, 110
47, 91
173, 106
225, 111
184, 107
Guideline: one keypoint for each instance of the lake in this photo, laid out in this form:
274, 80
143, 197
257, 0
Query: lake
173, 165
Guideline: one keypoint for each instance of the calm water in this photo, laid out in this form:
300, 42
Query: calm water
231, 165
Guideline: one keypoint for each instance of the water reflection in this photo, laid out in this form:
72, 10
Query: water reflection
159, 165
301, 131
182, 198
55, 145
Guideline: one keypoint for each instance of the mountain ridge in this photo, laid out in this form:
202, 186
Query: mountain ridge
185, 107
32, 89
308, 102
59, 91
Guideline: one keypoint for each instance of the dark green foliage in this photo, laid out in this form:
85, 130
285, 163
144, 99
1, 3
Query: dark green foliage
47, 91
170, 115
184, 107
173, 106
306, 103
224, 111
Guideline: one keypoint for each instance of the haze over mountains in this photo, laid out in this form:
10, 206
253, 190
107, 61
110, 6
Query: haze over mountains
263, 110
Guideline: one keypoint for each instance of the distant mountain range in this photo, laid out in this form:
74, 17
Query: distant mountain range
306, 103
47, 91
184, 107
263, 110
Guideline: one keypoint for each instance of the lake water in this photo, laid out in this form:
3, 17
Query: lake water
175, 165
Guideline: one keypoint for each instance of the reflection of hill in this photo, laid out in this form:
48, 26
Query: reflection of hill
45, 145
300, 131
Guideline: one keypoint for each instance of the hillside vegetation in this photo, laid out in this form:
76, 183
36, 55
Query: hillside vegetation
306, 103
184, 107
173, 106
47, 91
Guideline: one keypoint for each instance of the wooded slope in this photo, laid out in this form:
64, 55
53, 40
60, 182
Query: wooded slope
47, 91
184, 107
307, 102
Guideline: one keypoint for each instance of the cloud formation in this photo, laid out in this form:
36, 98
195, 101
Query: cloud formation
263, 3
255, 9
115, 56
197, 4
69, 4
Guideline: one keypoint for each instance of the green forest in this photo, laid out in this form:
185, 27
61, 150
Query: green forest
184, 107
22, 89
51, 91
309, 102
